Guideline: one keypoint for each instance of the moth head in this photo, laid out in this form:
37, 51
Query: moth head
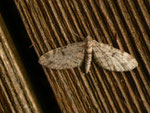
88, 38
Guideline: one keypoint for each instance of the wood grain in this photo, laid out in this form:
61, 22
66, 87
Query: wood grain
123, 24
16, 92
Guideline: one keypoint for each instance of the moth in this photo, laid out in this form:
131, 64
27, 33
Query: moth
75, 54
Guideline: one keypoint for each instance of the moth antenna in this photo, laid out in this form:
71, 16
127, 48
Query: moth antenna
77, 34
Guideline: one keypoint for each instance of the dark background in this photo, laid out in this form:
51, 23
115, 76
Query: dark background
23, 44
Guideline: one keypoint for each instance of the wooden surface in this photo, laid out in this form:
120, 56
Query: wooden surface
16, 92
122, 24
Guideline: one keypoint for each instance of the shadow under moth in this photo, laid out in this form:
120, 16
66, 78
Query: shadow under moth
73, 55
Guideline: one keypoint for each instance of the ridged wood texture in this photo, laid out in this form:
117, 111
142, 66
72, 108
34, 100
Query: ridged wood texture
124, 24
16, 95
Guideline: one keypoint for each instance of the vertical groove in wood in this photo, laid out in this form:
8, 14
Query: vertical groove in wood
16, 92
123, 24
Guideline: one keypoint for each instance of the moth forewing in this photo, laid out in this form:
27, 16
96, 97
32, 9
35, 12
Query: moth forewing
113, 59
69, 56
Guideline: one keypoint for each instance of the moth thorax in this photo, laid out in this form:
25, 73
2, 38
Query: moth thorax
88, 56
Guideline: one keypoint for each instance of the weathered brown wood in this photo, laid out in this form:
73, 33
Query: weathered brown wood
16, 92
123, 24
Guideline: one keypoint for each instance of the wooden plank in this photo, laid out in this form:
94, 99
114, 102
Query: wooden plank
122, 24
16, 92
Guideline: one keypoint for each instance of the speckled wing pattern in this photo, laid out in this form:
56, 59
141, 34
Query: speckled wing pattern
69, 56
112, 59
73, 55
